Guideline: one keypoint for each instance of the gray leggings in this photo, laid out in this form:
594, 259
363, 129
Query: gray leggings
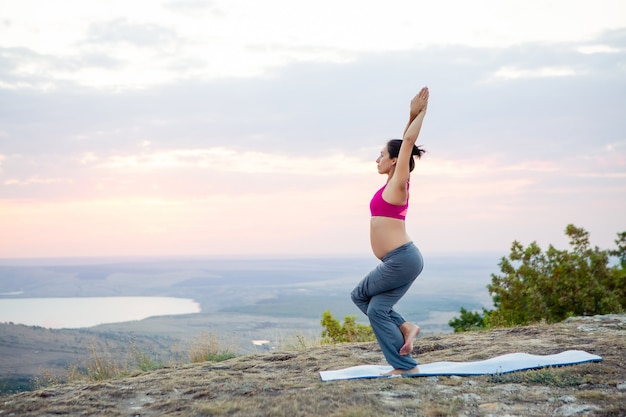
380, 290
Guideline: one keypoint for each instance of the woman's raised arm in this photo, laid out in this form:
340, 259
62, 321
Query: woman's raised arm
417, 112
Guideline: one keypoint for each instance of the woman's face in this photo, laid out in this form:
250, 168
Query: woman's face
384, 162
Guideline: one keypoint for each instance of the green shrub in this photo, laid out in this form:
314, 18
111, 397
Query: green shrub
553, 285
469, 320
350, 331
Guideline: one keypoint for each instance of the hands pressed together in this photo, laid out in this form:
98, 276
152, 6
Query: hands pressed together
419, 102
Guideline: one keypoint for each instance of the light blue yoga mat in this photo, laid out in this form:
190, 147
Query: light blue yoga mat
499, 365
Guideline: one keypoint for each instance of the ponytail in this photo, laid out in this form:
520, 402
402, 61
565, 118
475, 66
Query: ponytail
417, 151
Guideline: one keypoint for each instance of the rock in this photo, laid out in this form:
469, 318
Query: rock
281, 384
574, 409
568, 399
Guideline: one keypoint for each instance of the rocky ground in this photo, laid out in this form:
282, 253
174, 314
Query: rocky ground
287, 383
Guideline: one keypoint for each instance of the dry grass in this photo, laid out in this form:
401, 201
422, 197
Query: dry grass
104, 365
298, 342
207, 347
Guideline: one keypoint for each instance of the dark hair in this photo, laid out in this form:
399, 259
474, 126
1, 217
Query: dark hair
393, 147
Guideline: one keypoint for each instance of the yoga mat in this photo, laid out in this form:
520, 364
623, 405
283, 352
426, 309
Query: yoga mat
498, 365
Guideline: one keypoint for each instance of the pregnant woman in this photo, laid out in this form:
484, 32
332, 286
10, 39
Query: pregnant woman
402, 261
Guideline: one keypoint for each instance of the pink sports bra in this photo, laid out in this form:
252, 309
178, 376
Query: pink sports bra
379, 207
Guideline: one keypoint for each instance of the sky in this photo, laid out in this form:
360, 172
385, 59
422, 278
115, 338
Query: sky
245, 128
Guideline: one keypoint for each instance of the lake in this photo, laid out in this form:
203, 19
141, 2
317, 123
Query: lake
77, 312
68, 293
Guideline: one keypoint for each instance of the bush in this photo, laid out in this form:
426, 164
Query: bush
350, 331
469, 320
553, 285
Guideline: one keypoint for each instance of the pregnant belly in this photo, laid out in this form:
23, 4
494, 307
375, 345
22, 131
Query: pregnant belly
386, 234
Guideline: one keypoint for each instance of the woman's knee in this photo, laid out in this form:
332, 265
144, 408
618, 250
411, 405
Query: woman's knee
356, 296
378, 310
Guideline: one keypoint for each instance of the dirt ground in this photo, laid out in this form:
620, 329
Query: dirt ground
287, 383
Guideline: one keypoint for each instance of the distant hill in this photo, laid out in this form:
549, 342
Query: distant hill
287, 383
28, 351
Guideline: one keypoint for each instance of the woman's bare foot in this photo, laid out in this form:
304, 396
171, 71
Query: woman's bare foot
410, 332
401, 372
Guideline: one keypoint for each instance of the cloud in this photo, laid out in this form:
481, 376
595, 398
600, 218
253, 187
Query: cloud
142, 133
154, 43
121, 31
223, 160
351, 107
487, 165
194, 6
35, 180
616, 175
514, 73
598, 49
26, 69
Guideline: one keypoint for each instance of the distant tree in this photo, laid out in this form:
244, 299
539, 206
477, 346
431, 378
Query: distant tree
553, 285
350, 331
469, 320
620, 252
